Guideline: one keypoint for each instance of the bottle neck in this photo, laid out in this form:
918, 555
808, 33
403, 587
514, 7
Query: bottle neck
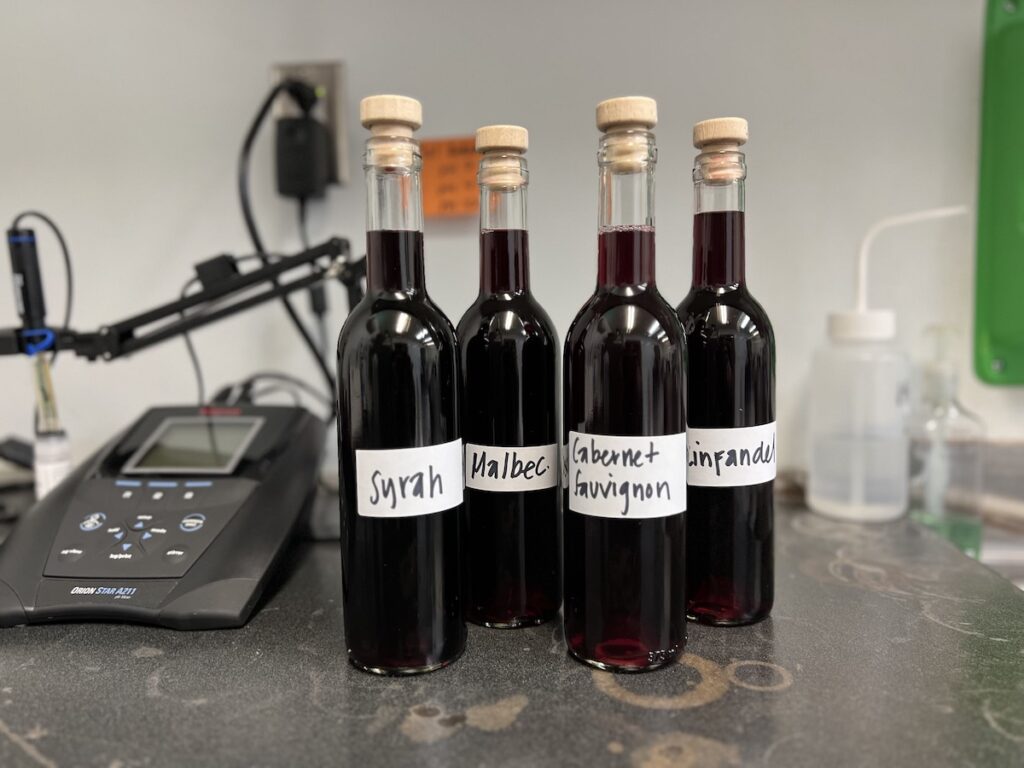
504, 245
504, 262
718, 222
394, 261
394, 215
626, 160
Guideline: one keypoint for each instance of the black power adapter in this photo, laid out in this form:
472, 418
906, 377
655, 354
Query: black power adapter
305, 156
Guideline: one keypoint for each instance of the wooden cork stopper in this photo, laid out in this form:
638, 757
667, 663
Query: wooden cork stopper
391, 120
511, 138
395, 112
502, 165
722, 132
638, 111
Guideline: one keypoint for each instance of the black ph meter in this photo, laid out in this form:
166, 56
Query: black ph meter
176, 522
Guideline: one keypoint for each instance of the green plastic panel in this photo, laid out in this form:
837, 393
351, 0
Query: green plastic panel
999, 297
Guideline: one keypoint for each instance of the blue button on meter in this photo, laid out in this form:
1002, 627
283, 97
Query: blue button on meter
192, 523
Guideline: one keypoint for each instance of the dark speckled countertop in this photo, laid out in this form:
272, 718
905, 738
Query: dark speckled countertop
886, 647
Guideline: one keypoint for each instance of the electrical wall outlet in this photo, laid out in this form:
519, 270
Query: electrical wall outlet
326, 77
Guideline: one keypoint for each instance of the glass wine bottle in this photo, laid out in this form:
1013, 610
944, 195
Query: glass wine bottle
509, 354
624, 379
730, 397
400, 450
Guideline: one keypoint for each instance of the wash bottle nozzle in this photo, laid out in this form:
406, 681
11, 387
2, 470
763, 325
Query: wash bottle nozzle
862, 323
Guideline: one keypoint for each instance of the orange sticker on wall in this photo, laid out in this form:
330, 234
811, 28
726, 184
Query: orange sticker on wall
449, 177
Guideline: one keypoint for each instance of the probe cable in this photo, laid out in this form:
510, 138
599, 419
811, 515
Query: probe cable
318, 292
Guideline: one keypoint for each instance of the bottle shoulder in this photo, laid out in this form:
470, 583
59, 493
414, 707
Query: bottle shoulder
494, 319
944, 427
945, 420
392, 318
732, 314
620, 317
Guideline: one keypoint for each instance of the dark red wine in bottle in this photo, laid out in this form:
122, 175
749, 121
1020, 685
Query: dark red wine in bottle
730, 344
509, 354
400, 451
624, 378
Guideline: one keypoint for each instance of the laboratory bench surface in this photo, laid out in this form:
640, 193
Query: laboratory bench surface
886, 647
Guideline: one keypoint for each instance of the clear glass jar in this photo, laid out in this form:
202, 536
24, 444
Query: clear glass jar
946, 451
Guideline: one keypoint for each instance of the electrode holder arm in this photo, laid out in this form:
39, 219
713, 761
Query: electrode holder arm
134, 333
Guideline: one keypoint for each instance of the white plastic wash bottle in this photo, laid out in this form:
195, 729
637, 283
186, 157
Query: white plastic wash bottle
860, 391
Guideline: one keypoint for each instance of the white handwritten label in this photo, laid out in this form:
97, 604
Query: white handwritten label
526, 468
403, 482
731, 457
627, 477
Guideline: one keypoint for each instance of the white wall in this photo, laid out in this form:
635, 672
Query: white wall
123, 120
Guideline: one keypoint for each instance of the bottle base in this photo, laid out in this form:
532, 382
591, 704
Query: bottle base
402, 671
713, 621
625, 668
516, 623
855, 513
965, 531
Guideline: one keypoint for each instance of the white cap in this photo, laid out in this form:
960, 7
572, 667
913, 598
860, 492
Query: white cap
862, 325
